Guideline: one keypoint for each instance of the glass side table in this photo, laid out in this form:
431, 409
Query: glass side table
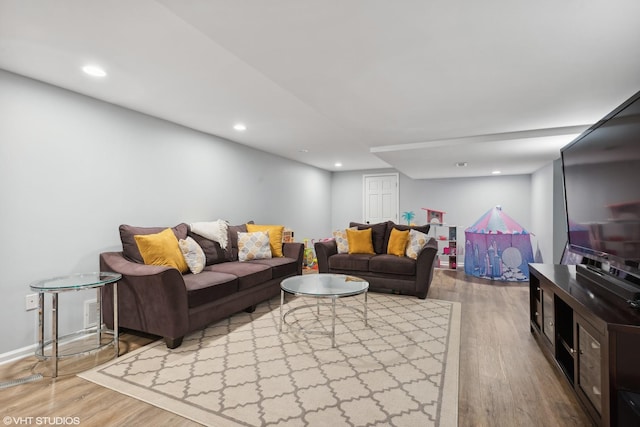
73, 282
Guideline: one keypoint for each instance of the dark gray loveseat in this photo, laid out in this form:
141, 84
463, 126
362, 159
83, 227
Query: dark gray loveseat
162, 301
383, 271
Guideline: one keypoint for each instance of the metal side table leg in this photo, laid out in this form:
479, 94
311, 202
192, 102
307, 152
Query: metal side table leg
99, 316
54, 334
116, 333
41, 323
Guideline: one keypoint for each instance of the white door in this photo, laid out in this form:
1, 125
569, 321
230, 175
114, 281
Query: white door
381, 200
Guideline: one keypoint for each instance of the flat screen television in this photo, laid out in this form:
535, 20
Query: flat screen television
601, 171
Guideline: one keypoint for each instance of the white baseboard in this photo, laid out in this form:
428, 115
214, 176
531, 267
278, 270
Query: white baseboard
30, 350
18, 354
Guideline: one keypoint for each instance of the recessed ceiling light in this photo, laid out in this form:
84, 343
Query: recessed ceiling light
240, 127
496, 172
94, 70
338, 164
462, 164
303, 150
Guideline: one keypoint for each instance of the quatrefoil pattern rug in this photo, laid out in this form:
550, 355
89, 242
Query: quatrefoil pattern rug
399, 370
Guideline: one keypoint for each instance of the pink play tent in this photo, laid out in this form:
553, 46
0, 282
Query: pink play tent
497, 248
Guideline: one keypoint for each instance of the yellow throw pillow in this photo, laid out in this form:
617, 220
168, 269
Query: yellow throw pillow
276, 236
398, 242
360, 241
161, 249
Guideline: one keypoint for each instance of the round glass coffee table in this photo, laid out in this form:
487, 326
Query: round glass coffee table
331, 286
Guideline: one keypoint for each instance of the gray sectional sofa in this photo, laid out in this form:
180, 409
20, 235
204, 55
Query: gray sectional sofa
383, 271
162, 301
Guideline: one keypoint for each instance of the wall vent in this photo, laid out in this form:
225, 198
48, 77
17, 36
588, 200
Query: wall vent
90, 315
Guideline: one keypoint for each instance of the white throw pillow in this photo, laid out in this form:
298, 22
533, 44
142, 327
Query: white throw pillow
253, 246
193, 254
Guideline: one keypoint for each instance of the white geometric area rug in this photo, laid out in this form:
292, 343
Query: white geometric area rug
400, 370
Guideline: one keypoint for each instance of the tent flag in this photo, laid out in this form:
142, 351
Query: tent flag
498, 248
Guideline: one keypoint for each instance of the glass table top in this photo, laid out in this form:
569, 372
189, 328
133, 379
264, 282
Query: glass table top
324, 285
75, 281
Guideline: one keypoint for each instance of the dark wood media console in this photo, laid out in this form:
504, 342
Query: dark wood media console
593, 337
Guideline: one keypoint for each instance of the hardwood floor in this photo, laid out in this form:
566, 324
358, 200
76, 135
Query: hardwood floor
505, 380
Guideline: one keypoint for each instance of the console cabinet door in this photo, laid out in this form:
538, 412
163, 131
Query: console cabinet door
548, 326
589, 364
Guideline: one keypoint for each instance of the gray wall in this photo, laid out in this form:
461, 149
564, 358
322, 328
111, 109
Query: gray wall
463, 199
73, 168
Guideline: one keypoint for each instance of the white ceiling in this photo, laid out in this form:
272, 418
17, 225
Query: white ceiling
416, 85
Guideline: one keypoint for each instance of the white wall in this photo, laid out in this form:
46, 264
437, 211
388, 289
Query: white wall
542, 205
559, 214
73, 168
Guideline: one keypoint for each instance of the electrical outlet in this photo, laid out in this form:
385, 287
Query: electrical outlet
31, 302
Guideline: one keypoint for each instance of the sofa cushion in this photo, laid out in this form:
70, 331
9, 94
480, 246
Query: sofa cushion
360, 241
232, 246
350, 262
209, 286
391, 264
249, 274
378, 233
213, 252
421, 228
276, 236
280, 267
161, 249
129, 245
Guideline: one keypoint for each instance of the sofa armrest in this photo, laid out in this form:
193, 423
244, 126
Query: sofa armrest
151, 299
425, 264
117, 263
296, 251
323, 251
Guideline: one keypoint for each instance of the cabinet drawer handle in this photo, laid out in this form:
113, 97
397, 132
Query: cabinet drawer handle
537, 314
596, 391
550, 323
572, 351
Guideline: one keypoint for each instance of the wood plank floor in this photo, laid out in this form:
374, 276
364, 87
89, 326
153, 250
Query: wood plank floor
505, 380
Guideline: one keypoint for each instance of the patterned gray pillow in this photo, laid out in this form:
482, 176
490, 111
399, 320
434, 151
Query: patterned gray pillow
253, 246
193, 254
